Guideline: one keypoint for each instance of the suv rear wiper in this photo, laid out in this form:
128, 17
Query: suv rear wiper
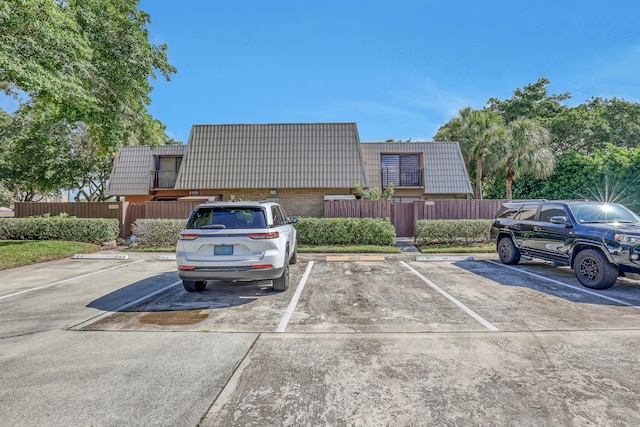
219, 226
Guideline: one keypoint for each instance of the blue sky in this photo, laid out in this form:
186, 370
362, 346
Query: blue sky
398, 68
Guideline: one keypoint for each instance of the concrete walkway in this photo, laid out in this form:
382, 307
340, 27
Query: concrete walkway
405, 244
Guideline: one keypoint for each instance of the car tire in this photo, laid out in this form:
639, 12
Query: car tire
282, 282
194, 285
294, 257
594, 270
508, 252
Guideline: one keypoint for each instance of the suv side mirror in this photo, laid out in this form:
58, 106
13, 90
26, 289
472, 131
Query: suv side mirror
293, 219
560, 220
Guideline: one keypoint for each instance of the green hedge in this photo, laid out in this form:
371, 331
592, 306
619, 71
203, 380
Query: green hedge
345, 231
458, 231
158, 232
93, 230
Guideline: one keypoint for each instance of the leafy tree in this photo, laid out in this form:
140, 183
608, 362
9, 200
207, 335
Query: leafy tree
374, 193
38, 158
523, 150
531, 102
611, 121
579, 128
43, 52
595, 144
94, 170
607, 174
90, 61
477, 131
585, 127
6, 197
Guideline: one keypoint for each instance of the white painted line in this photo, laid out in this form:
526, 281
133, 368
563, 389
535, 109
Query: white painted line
123, 306
445, 258
100, 256
294, 301
566, 285
69, 280
466, 309
167, 258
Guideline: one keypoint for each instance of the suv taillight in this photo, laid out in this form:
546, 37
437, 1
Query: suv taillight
270, 235
188, 236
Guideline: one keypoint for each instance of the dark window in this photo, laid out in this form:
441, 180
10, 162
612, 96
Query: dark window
403, 170
510, 213
278, 216
166, 173
528, 212
549, 211
227, 217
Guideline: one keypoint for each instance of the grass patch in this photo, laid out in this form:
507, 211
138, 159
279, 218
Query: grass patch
448, 249
353, 249
15, 253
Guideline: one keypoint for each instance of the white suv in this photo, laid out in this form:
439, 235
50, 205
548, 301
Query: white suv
236, 241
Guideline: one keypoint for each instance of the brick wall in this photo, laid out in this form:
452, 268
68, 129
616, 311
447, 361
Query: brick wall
296, 201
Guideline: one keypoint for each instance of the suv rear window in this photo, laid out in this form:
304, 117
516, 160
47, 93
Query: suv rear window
227, 217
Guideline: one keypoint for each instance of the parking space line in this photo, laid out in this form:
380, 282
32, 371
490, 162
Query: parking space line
575, 288
294, 301
68, 280
124, 306
442, 292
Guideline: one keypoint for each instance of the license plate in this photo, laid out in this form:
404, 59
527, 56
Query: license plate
223, 250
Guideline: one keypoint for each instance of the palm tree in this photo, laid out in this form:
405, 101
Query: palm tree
477, 131
524, 150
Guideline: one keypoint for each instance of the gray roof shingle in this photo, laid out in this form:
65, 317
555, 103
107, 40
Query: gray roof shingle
130, 173
304, 155
132, 169
444, 168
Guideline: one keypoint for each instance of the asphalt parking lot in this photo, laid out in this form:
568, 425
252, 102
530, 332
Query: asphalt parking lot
401, 341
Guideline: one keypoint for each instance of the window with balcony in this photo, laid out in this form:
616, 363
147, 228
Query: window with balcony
403, 170
166, 172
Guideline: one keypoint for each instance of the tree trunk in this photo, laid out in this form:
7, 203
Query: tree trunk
479, 177
509, 182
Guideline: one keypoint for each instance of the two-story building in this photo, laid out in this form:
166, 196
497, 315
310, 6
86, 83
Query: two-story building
299, 165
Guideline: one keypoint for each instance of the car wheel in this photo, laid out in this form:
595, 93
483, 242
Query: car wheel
282, 282
593, 269
508, 252
194, 285
294, 257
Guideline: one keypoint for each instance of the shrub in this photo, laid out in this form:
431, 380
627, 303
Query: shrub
345, 231
158, 232
458, 231
93, 230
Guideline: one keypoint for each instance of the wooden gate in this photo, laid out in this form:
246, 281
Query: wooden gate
403, 219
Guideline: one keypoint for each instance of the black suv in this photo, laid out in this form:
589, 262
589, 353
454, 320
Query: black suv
598, 240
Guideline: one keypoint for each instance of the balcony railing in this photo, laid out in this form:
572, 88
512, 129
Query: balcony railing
402, 177
164, 179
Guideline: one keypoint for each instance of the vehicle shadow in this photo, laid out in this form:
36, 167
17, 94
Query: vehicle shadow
556, 281
176, 298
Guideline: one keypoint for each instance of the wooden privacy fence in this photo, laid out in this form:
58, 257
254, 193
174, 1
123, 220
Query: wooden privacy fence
116, 210
404, 215
172, 210
357, 209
